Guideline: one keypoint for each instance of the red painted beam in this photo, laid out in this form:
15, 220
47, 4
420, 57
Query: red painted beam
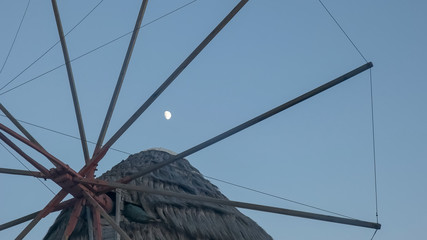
74, 218
33, 162
58, 163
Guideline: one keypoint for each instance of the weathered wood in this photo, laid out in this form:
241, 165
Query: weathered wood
33, 162
162, 87
237, 204
23, 172
251, 122
18, 125
105, 215
28, 217
171, 218
71, 81
89, 223
118, 209
74, 218
48, 209
121, 77
18, 221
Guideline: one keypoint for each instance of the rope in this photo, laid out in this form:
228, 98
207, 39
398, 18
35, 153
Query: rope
342, 30
16, 35
91, 51
27, 168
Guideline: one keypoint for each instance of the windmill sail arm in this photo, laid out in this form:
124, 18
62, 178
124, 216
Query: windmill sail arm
107, 217
23, 173
257, 207
71, 81
121, 77
55, 161
162, 87
251, 122
43, 213
18, 125
30, 216
74, 217
33, 162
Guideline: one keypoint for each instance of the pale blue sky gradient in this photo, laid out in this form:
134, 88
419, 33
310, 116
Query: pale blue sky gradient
318, 152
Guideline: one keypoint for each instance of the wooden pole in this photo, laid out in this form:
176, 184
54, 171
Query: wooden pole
71, 81
159, 90
237, 204
251, 122
121, 77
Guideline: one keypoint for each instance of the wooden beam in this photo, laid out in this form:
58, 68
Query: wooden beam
18, 150
71, 81
89, 223
28, 217
250, 123
118, 209
18, 125
237, 204
23, 173
104, 214
121, 77
162, 87
43, 213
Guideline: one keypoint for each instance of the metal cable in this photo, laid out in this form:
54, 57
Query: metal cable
373, 144
213, 178
373, 235
278, 197
27, 168
223, 181
48, 50
16, 35
372, 109
339, 25
91, 51
64, 134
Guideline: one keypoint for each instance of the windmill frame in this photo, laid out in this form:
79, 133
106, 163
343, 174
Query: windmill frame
86, 190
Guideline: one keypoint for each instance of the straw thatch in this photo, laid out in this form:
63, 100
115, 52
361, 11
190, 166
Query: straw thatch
148, 216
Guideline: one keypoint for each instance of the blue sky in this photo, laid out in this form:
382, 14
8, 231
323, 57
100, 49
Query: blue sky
318, 152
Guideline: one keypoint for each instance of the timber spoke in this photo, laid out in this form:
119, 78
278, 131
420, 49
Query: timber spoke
121, 77
23, 173
58, 163
96, 223
28, 217
71, 81
33, 162
91, 193
43, 213
104, 214
34, 146
18, 221
251, 122
74, 218
165, 84
257, 207
18, 125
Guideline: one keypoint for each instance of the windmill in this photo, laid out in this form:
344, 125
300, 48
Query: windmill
88, 191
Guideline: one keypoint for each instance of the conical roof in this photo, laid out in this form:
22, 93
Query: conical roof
149, 216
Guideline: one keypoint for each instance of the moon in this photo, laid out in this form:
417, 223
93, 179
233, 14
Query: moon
168, 115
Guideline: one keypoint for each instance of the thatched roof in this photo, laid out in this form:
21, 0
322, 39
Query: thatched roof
148, 216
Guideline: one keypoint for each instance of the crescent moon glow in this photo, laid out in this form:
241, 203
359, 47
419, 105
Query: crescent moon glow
168, 115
